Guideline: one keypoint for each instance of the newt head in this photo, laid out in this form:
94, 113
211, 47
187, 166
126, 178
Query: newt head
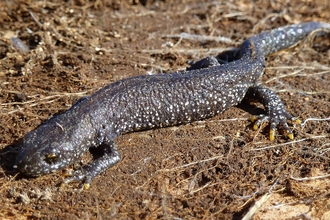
46, 150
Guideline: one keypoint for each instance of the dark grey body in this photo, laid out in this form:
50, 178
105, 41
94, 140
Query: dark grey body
160, 100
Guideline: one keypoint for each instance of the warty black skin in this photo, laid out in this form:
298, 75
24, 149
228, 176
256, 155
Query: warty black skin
155, 101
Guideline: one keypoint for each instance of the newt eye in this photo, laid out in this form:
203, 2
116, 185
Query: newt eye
51, 158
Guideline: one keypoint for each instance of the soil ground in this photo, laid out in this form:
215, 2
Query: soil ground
214, 169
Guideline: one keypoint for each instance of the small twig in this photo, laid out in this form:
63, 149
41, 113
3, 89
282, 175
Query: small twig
288, 143
190, 164
314, 119
310, 178
260, 202
188, 51
35, 19
256, 206
201, 38
46, 98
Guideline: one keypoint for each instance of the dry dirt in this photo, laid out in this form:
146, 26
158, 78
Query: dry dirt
214, 169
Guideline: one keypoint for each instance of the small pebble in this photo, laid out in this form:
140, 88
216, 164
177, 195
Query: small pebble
19, 45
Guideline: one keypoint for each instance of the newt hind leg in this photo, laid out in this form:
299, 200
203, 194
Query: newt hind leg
275, 109
222, 58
